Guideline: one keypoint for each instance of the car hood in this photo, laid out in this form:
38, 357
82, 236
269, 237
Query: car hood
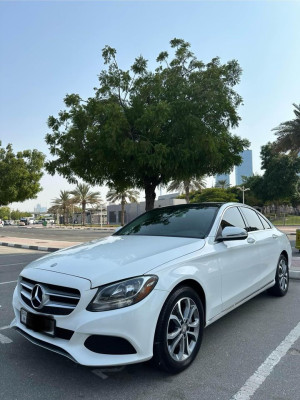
117, 257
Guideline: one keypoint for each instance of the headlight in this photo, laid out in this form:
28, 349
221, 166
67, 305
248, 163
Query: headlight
123, 293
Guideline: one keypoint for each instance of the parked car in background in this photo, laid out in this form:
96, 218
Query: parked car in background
151, 288
24, 220
8, 222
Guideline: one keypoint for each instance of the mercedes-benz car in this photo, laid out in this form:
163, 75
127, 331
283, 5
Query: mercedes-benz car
149, 290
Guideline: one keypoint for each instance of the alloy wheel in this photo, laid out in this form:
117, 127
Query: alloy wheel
183, 329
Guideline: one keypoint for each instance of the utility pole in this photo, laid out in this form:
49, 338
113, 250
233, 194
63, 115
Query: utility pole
243, 189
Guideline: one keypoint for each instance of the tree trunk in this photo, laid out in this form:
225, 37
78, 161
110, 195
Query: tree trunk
123, 211
150, 194
187, 193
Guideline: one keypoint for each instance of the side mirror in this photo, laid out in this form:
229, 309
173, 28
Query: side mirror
232, 233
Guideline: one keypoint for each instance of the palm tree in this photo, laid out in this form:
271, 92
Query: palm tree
288, 134
222, 183
63, 203
187, 185
83, 196
122, 195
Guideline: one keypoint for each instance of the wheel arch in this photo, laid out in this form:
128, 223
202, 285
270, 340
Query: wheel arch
198, 289
284, 253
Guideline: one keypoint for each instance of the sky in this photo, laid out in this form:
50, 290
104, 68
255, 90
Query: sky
52, 48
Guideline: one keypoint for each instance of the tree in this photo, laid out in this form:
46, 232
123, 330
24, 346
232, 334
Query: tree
122, 195
222, 183
187, 185
288, 134
144, 128
279, 182
83, 196
19, 174
16, 214
251, 197
214, 195
62, 204
280, 177
4, 213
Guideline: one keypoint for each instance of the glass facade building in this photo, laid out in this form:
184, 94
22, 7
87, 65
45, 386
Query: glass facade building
245, 169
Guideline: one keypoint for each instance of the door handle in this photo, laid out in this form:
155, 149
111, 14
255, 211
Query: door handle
274, 236
250, 240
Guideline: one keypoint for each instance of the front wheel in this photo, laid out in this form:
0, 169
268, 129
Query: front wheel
179, 331
282, 278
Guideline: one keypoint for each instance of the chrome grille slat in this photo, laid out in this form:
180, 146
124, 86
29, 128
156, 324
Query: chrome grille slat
27, 285
26, 294
66, 296
61, 300
59, 305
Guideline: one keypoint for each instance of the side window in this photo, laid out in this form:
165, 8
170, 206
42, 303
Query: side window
253, 220
265, 222
232, 217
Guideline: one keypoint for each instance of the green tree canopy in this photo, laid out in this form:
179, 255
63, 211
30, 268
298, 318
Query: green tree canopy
213, 194
4, 212
187, 185
288, 134
16, 214
279, 182
19, 174
144, 128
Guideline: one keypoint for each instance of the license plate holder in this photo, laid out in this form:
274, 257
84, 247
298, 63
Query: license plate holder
38, 323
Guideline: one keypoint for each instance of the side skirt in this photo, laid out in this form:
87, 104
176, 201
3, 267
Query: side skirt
220, 315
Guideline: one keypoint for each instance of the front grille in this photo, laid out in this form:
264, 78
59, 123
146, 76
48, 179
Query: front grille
60, 300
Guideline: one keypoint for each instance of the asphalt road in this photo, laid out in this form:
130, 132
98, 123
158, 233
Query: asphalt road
71, 235
233, 349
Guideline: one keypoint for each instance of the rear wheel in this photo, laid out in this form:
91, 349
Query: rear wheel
282, 278
179, 331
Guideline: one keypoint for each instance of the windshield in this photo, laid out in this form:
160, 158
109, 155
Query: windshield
193, 221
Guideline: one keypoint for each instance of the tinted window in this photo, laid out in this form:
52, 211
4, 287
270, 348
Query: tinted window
232, 217
254, 223
185, 221
265, 222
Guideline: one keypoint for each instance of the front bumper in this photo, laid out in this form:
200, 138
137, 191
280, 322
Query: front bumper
136, 324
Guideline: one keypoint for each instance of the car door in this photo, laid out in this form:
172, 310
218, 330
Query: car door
238, 260
266, 242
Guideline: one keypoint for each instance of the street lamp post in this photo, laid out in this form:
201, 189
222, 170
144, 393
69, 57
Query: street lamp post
243, 189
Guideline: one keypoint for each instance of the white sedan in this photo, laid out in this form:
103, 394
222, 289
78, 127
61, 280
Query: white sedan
150, 289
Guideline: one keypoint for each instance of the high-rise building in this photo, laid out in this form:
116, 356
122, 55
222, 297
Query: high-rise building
245, 169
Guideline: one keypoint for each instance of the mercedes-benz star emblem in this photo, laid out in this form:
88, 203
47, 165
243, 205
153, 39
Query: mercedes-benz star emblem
38, 297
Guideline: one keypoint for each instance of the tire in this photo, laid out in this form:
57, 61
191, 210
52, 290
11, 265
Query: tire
179, 331
281, 279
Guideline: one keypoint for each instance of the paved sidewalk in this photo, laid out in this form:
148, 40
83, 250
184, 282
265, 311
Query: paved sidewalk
36, 244
53, 245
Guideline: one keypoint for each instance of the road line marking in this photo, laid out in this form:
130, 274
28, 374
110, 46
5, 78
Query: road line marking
260, 375
4, 283
4, 327
4, 339
7, 265
99, 373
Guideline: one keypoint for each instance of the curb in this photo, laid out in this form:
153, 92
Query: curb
27, 247
294, 274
